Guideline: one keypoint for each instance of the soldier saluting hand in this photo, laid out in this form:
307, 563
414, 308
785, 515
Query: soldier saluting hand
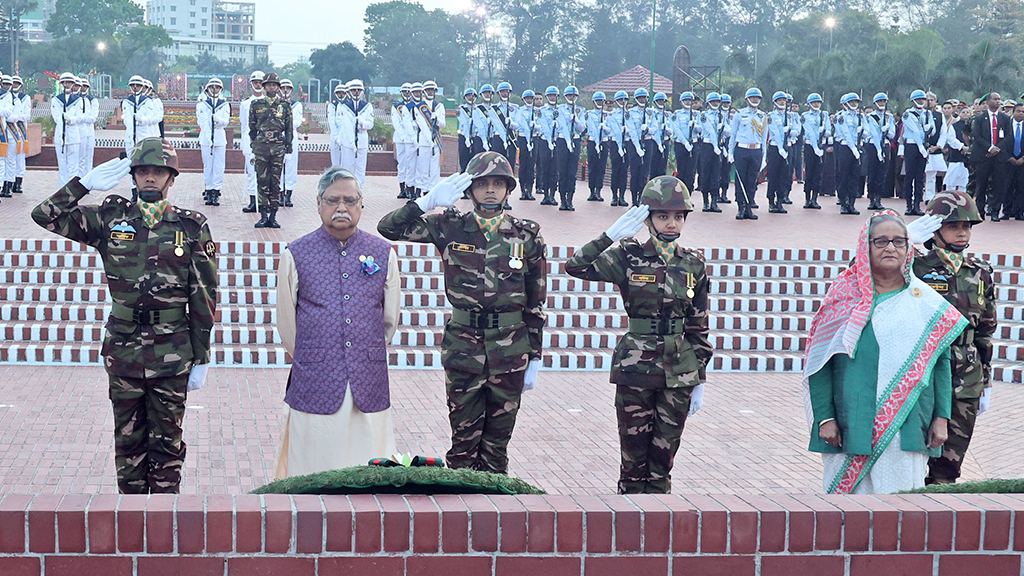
162, 278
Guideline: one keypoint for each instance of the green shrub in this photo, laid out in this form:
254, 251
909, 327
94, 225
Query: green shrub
382, 132
399, 480
48, 125
994, 486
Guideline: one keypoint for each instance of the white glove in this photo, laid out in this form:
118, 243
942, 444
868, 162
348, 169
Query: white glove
603, 126
197, 376
983, 402
643, 127
640, 151
629, 223
819, 152
922, 229
107, 175
731, 159
696, 399
530, 379
446, 193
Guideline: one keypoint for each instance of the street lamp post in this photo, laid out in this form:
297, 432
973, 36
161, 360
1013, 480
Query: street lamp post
654, 18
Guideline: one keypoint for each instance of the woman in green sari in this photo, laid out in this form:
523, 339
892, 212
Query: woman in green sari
877, 382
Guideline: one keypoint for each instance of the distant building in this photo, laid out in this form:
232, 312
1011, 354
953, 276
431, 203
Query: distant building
33, 24
225, 30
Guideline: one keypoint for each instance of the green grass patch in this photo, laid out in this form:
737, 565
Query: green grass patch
399, 480
994, 486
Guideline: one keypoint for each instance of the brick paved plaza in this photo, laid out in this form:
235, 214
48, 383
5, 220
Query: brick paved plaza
750, 436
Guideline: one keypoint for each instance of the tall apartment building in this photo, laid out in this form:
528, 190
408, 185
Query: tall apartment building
226, 30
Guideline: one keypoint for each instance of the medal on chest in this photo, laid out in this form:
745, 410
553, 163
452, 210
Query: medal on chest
179, 242
515, 256
690, 283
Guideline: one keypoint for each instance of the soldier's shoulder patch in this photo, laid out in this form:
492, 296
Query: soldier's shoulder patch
703, 117
527, 225
116, 200
452, 213
906, 115
979, 263
839, 120
211, 248
197, 217
695, 253
769, 119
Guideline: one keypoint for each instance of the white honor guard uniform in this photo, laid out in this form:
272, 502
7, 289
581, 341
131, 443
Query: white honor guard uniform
23, 113
12, 134
134, 113
333, 108
290, 178
87, 126
154, 111
66, 136
213, 114
256, 83
403, 139
355, 119
429, 118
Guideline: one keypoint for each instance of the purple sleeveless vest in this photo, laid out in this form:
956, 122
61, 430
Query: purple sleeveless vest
339, 339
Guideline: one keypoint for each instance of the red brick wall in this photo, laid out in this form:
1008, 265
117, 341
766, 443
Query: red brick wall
108, 535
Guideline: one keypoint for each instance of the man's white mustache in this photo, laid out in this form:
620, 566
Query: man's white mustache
345, 216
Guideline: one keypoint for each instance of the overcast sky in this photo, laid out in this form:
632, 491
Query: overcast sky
294, 27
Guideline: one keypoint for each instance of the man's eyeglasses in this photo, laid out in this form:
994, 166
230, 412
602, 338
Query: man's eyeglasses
897, 243
349, 202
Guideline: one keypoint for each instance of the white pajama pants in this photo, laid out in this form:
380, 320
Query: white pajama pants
290, 177
21, 165
956, 176
428, 168
250, 176
67, 162
213, 166
335, 153
86, 149
354, 160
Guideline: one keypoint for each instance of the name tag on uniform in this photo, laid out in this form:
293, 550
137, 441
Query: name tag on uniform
456, 247
123, 231
940, 287
643, 278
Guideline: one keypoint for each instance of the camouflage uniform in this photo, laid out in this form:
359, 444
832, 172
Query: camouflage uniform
497, 289
972, 290
270, 128
665, 353
165, 269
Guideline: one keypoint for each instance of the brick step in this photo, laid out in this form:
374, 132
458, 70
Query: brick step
39, 294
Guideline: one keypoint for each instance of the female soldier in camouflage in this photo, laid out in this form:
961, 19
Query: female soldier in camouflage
965, 282
659, 364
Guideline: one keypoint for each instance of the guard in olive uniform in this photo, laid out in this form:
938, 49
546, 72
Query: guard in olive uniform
495, 273
162, 278
659, 364
966, 281
270, 130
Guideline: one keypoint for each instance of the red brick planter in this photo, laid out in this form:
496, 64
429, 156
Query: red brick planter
108, 535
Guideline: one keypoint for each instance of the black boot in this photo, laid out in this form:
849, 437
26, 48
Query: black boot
264, 221
593, 196
851, 207
17, 185
206, 197
636, 197
569, 198
273, 219
723, 198
807, 201
524, 194
785, 199
288, 198
5, 192
814, 201
403, 192
251, 208
564, 205
549, 199
775, 206
707, 204
714, 205
215, 201
748, 214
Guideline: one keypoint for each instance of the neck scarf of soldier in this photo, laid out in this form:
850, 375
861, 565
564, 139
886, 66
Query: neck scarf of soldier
153, 212
954, 260
667, 250
489, 226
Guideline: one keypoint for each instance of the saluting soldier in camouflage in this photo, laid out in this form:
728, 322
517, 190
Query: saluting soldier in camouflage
659, 364
966, 282
162, 278
495, 273
270, 130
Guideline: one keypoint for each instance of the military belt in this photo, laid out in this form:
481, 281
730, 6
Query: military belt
750, 146
146, 317
659, 326
485, 320
966, 337
271, 133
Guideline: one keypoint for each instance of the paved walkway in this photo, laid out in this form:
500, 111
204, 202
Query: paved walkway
55, 422
751, 436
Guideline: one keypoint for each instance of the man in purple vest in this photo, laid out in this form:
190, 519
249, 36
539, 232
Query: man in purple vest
495, 276
338, 296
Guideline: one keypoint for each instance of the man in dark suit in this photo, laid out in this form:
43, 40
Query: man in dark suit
991, 144
1013, 200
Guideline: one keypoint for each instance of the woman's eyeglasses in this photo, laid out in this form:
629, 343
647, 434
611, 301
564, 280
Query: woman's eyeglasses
881, 243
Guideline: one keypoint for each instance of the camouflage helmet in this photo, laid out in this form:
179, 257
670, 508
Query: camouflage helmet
666, 193
154, 152
954, 206
272, 78
491, 164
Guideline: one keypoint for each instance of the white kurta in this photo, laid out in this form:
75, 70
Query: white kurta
316, 442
